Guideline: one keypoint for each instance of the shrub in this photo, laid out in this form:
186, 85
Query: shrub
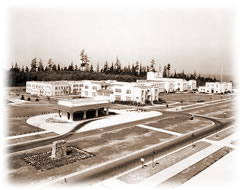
134, 103
159, 101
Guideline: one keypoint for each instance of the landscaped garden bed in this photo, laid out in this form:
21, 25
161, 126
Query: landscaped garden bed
43, 161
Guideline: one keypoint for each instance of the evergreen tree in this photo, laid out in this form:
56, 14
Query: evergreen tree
117, 66
76, 68
98, 69
26, 69
105, 67
71, 67
168, 69
54, 67
50, 64
58, 67
165, 71
82, 59
40, 66
34, 65
112, 69
91, 68
152, 65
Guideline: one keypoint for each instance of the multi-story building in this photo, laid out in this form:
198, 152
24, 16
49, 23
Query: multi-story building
139, 91
216, 87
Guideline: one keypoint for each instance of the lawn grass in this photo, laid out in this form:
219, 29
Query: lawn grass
222, 134
106, 146
217, 110
18, 126
30, 138
180, 124
190, 97
27, 110
140, 174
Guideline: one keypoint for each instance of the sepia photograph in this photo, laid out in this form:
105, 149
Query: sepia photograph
120, 94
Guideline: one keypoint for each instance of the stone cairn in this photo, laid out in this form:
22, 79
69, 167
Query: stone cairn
59, 149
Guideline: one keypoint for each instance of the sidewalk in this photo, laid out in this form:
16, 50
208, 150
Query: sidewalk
178, 167
216, 169
62, 128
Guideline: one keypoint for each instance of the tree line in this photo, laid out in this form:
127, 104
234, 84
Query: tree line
85, 71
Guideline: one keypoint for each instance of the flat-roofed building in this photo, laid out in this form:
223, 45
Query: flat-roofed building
216, 87
140, 91
83, 108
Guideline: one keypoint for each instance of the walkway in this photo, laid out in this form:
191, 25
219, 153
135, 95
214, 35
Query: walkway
171, 171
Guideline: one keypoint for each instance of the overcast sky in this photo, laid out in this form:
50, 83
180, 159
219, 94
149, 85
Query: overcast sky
189, 39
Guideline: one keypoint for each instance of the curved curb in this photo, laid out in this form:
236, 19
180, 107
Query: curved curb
112, 167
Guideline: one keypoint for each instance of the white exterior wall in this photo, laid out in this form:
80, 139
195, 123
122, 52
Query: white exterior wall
218, 87
90, 88
192, 84
39, 88
202, 89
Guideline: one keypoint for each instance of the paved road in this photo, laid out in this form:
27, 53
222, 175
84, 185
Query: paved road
115, 168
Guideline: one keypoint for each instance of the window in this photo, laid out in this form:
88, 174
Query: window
117, 97
118, 90
128, 91
86, 93
94, 93
128, 98
94, 88
86, 86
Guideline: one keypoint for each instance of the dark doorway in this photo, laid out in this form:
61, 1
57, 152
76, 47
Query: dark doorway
78, 115
101, 112
68, 115
91, 114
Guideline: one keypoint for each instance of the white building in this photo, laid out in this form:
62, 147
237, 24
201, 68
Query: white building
139, 91
216, 87
172, 84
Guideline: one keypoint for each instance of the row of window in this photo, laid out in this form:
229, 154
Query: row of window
119, 91
118, 97
61, 87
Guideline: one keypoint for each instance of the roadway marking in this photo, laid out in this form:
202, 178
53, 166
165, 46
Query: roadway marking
61, 178
159, 130
26, 135
161, 157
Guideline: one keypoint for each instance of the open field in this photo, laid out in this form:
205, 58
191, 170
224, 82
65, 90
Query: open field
120, 140
106, 146
217, 110
192, 97
180, 124
18, 126
222, 134
27, 110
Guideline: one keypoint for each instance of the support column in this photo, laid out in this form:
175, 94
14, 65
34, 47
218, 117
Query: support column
71, 116
96, 115
107, 111
85, 114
